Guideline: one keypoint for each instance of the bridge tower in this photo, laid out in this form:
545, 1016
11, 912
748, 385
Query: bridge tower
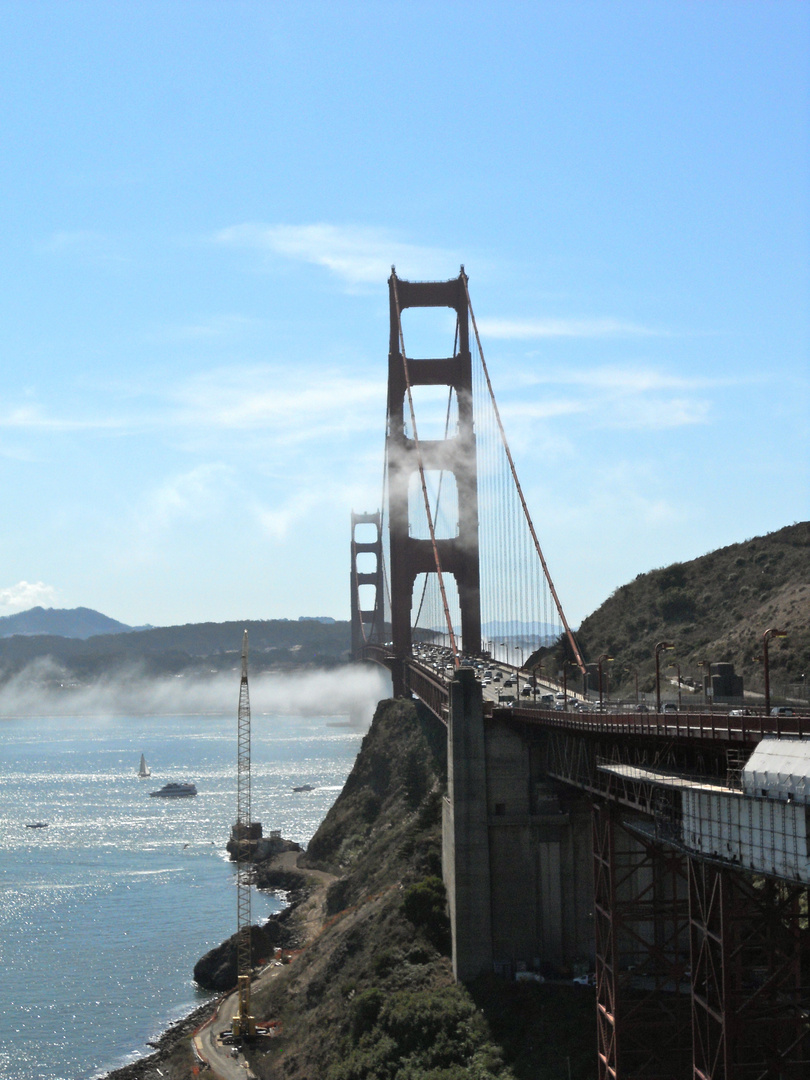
410, 556
367, 624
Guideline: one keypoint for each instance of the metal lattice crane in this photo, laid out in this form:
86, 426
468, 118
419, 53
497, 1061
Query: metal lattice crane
243, 1023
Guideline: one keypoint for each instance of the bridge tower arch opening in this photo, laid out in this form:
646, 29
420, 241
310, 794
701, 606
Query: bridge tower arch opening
407, 454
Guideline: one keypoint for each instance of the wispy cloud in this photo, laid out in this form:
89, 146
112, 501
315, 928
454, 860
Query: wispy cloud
358, 254
87, 246
32, 417
534, 329
189, 495
294, 409
25, 595
631, 397
313, 406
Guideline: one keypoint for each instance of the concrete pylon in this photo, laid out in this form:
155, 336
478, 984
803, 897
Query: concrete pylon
465, 834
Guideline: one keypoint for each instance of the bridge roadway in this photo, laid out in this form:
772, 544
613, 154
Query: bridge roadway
433, 689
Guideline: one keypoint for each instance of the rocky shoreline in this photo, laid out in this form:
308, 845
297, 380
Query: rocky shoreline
172, 1057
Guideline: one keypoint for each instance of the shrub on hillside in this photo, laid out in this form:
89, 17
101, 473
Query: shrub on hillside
425, 905
418, 1035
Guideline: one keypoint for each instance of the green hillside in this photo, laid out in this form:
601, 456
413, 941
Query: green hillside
196, 648
714, 608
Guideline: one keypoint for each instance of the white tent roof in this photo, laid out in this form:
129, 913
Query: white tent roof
779, 768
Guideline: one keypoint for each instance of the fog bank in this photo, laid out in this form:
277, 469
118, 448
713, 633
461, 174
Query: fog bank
351, 692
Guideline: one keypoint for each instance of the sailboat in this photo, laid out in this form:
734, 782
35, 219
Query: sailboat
144, 770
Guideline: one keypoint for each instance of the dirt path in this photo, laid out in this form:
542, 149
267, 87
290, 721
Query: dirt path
308, 918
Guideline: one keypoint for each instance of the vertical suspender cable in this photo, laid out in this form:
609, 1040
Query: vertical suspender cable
571, 639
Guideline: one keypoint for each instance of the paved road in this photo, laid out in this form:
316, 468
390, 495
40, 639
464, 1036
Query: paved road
218, 1055
207, 1044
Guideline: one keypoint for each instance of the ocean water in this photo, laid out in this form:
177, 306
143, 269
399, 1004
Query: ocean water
104, 913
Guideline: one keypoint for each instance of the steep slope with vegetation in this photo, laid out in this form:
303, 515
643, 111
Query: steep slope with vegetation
714, 608
370, 995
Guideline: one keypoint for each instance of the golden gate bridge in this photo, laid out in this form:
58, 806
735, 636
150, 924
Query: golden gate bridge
667, 851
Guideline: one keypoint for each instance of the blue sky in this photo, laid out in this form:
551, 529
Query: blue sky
200, 204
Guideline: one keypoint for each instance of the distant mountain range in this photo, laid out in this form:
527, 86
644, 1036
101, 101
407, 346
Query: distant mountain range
80, 622
82, 645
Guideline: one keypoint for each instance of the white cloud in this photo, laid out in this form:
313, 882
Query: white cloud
531, 329
312, 405
30, 417
357, 254
25, 595
190, 495
618, 397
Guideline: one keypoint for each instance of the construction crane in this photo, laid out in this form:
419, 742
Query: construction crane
243, 1024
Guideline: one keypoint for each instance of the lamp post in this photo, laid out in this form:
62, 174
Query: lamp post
704, 664
565, 679
503, 645
518, 649
770, 632
604, 656
678, 667
661, 645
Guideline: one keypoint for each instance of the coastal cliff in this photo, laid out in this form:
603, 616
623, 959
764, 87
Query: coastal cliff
369, 991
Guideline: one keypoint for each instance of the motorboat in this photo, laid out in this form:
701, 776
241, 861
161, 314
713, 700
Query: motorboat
144, 769
175, 790
36, 824
304, 787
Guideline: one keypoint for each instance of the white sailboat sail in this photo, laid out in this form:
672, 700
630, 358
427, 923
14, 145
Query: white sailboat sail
144, 769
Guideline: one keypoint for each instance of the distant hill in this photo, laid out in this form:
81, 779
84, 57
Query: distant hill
714, 608
196, 648
80, 622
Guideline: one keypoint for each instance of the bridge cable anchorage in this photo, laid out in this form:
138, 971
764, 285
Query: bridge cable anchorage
571, 640
420, 463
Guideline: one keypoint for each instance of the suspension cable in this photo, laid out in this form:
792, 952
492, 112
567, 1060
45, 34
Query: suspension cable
421, 466
561, 613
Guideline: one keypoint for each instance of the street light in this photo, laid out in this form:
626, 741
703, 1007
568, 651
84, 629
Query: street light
770, 632
566, 664
661, 645
678, 667
604, 656
518, 648
705, 680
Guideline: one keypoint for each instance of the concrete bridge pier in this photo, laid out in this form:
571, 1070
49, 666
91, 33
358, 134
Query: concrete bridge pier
465, 843
516, 849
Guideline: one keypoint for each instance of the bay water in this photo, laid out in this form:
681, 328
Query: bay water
104, 913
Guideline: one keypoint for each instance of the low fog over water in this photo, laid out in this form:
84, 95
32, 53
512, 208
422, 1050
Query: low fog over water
351, 691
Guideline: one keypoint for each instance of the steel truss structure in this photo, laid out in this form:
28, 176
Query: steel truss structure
750, 950
641, 927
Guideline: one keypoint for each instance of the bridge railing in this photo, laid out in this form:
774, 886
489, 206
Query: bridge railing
429, 688
713, 726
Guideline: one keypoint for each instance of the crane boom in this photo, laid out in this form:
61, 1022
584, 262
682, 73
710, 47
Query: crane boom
243, 1023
